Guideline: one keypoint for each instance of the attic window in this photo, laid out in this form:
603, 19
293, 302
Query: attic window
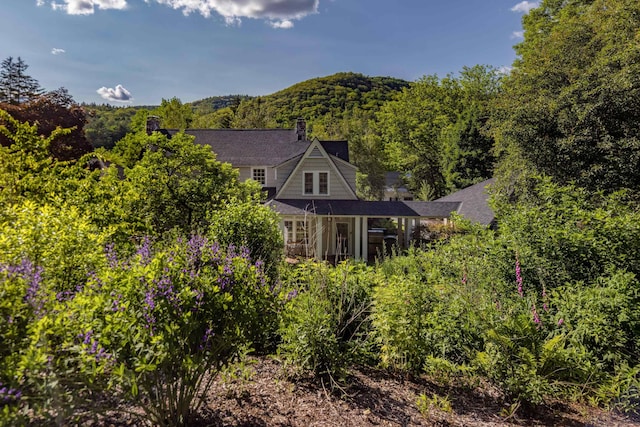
260, 175
315, 184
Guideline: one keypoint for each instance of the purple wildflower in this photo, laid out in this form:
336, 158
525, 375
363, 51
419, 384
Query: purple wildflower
9, 395
87, 337
560, 322
144, 250
534, 312
464, 279
291, 295
110, 252
206, 338
32, 275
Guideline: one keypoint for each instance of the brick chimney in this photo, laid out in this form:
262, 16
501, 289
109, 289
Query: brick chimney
301, 129
153, 124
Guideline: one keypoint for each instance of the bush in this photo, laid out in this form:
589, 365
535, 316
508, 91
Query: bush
152, 329
325, 324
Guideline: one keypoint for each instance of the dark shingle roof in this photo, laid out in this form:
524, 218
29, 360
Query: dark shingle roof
364, 207
264, 147
250, 147
474, 202
339, 149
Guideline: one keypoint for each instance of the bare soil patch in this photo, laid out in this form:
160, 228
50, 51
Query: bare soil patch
261, 394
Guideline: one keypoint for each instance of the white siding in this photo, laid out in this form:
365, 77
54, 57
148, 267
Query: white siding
337, 190
245, 173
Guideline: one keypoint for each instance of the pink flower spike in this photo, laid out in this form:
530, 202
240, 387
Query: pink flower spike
560, 322
536, 318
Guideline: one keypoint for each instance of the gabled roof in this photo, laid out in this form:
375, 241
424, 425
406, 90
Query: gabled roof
317, 146
473, 202
259, 147
364, 208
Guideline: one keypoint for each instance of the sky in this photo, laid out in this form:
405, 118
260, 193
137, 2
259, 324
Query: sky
137, 52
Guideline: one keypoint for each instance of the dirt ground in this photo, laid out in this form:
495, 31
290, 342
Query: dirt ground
261, 394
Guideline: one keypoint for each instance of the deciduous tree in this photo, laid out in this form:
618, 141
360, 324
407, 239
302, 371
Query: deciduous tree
571, 105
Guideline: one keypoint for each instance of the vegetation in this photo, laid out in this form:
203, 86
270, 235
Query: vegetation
16, 86
133, 285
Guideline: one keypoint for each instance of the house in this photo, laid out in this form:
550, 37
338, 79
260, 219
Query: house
312, 185
395, 187
474, 204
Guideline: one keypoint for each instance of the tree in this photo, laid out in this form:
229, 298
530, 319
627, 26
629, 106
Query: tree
434, 131
173, 183
16, 86
49, 111
174, 114
571, 105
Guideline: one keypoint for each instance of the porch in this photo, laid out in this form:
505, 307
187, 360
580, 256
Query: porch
339, 229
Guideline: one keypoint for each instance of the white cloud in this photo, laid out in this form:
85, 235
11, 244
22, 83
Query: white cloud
86, 7
517, 35
525, 6
284, 24
279, 13
57, 51
505, 69
119, 94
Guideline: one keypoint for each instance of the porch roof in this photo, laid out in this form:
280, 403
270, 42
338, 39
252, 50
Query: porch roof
385, 209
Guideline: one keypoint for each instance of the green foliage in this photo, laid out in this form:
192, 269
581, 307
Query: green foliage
426, 404
175, 183
107, 124
315, 98
152, 329
174, 114
325, 324
212, 104
570, 105
59, 240
435, 130
253, 226
567, 234
423, 314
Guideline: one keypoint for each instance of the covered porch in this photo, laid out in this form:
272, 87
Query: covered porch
338, 229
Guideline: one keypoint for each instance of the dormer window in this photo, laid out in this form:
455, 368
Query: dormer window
315, 183
259, 175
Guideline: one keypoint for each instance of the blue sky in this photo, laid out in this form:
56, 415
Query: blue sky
136, 52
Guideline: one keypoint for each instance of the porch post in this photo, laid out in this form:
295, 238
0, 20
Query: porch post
357, 240
318, 238
365, 239
406, 232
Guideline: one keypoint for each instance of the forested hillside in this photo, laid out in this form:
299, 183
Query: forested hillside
314, 99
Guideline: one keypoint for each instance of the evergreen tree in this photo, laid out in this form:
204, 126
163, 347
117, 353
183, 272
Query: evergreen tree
16, 86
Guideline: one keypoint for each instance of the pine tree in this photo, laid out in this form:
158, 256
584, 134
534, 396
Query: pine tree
16, 86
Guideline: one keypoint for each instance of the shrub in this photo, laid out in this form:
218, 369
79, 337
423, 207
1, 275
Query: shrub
152, 329
325, 324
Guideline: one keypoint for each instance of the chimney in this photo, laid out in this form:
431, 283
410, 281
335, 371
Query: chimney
153, 124
301, 129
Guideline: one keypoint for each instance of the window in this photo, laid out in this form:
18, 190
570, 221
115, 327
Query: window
308, 183
315, 184
323, 182
260, 175
288, 227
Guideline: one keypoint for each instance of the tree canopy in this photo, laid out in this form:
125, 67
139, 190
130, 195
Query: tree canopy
571, 105
16, 86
